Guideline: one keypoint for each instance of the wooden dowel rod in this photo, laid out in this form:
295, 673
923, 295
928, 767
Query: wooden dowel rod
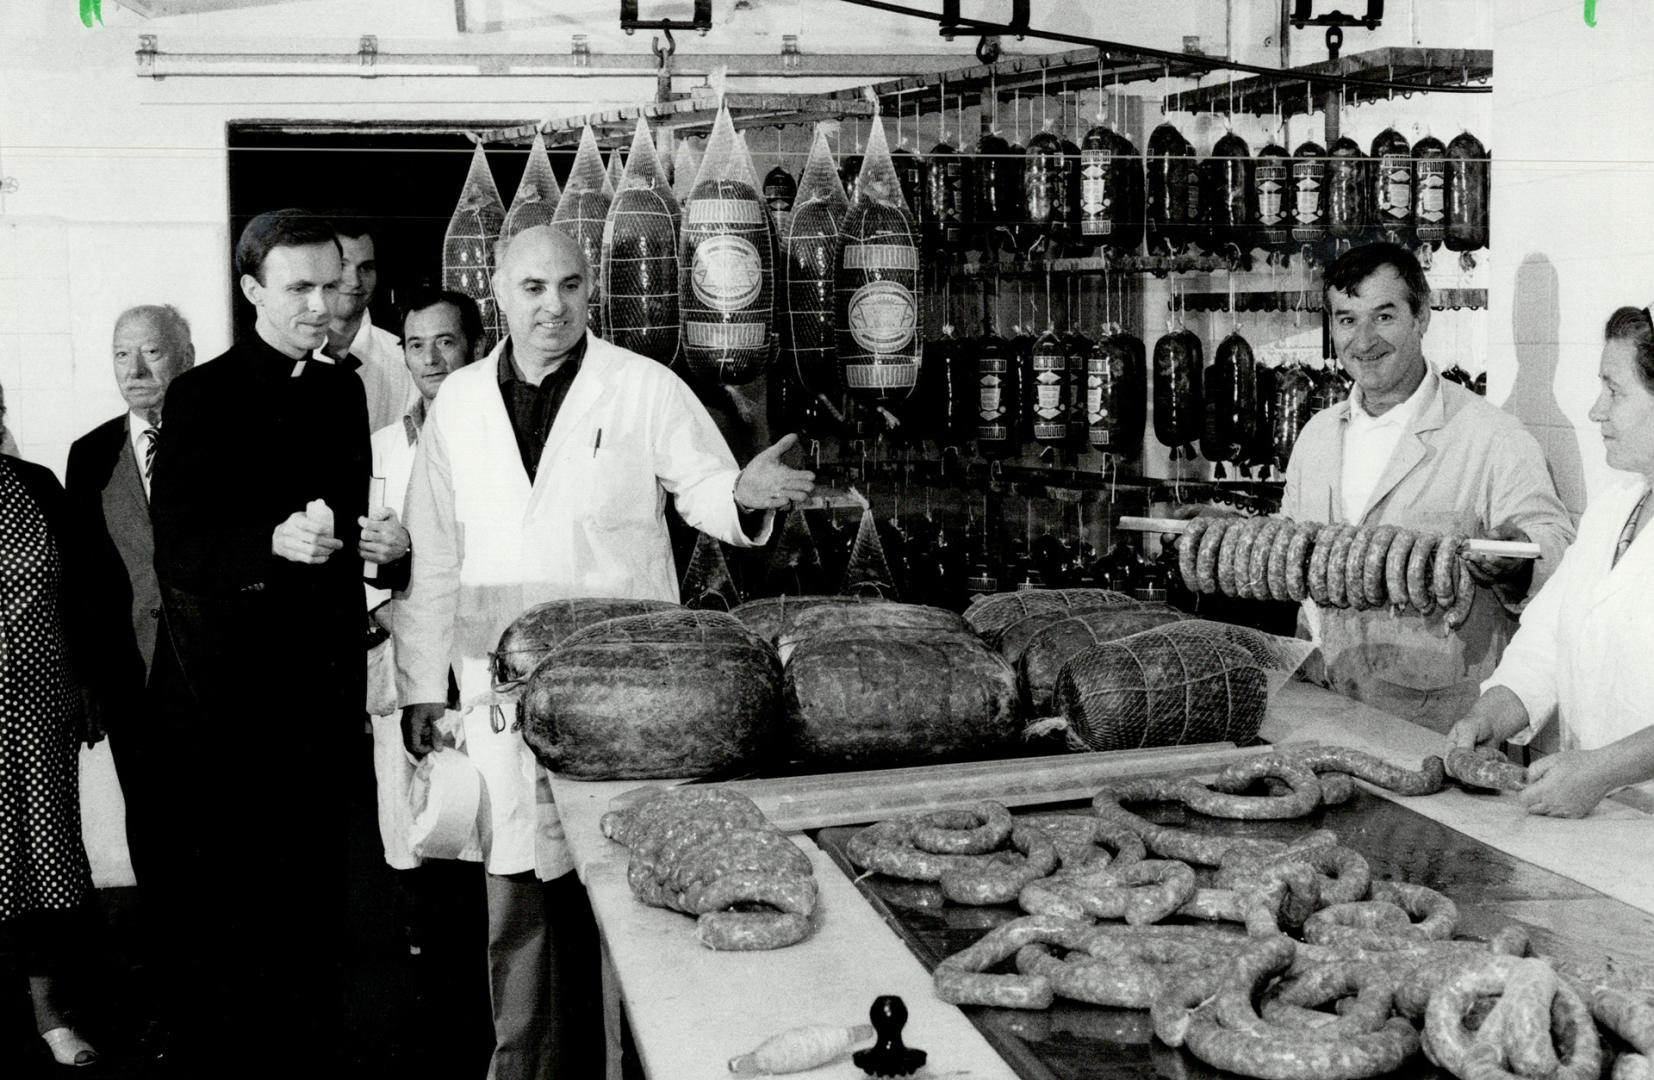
1510, 549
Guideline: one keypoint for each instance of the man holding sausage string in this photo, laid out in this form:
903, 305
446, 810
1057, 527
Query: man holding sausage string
1412, 450
542, 474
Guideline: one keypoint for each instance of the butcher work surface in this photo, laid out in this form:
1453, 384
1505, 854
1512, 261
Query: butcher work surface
1491, 889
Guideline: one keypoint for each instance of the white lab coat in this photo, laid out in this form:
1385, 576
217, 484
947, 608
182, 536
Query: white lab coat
386, 381
488, 545
1581, 652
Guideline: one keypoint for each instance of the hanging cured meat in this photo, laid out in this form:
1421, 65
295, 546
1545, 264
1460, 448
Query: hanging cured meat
1022, 369
537, 193
780, 189
1108, 390
1271, 186
1467, 193
1430, 191
1134, 409
1178, 370
997, 400
640, 258
1229, 194
998, 189
1066, 229
1347, 190
849, 171
949, 188
724, 272
1217, 388
910, 174
1111, 197
1047, 406
1260, 452
812, 269
686, 162
1076, 347
1309, 194
1289, 412
1329, 386
1230, 399
582, 212
1044, 190
948, 382
878, 285
1173, 195
468, 245
1393, 186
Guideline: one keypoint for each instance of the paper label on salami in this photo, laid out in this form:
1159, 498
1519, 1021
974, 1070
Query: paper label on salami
881, 257
881, 376
1396, 192
990, 396
1094, 201
1308, 205
727, 274
1271, 194
882, 315
723, 212
1432, 192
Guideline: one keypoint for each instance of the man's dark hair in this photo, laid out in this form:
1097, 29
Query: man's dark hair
424, 296
352, 224
1356, 265
1635, 327
279, 228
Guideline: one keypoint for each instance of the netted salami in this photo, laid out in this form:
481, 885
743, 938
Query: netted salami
990, 616
1468, 167
1180, 683
468, 245
640, 258
1111, 190
885, 695
725, 275
949, 188
875, 614
773, 616
535, 632
1229, 193
1272, 186
582, 212
1173, 194
1392, 197
811, 271
1430, 191
1057, 638
877, 285
538, 193
670, 694
1309, 194
1178, 392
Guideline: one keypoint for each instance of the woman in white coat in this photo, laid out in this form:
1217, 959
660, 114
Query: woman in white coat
1581, 652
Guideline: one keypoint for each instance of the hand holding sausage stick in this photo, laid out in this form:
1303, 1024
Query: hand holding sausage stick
767, 483
1515, 574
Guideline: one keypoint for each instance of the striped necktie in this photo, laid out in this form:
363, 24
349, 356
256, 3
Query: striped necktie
1629, 532
150, 436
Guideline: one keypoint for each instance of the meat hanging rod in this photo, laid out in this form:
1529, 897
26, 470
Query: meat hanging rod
1509, 549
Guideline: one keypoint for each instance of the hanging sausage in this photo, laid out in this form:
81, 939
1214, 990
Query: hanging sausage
1260, 452
1172, 195
1111, 203
1178, 371
1076, 347
581, 213
1217, 388
468, 245
640, 258
1047, 407
1309, 195
1022, 370
811, 270
1329, 386
849, 171
1235, 399
1044, 191
1347, 190
1467, 193
1134, 406
993, 209
948, 191
725, 276
1290, 411
948, 387
1271, 186
1066, 228
780, 191
1393, 187
1430, 191
878, 284
1229, 194
997, 404
1013, 199
1108, 388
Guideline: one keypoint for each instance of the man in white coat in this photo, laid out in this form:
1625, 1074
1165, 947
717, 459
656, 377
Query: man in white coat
371, 351
543, 473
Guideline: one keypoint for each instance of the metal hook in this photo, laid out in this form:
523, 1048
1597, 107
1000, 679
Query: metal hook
664, 55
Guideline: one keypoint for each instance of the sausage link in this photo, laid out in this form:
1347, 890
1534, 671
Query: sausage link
1336, 559
1275, 577
1395, 568
1485, 768
1319, 556
1355, 567
1460, 611
1188, 551
1296, 565
997, 880
1237, 552
1373, 565
1418, 573
1444, 573
1257, 575
973, 830
1206, 562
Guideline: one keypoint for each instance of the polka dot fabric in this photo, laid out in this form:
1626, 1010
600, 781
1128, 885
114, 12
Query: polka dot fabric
42, 860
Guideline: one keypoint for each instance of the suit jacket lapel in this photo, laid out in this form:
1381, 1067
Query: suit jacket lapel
128, 473
1411, 449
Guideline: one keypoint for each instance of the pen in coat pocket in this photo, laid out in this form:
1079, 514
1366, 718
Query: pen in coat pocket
597, 442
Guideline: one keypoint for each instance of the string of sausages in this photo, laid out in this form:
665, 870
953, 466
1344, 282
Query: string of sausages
1348, 566
711, 853
1288, 961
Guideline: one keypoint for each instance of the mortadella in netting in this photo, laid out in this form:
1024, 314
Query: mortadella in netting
581, 213
794, 565
812, 270
616, 170
468, 245
1182, 683
878, 283
537, 193
686, 162
640, 257
725, 277
868, 571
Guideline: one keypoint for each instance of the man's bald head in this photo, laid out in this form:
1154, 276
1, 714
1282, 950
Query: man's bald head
542, 282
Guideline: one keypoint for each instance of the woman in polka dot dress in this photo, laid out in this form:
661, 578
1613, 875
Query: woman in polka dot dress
44, 876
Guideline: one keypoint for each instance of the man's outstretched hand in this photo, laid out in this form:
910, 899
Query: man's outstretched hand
768, 483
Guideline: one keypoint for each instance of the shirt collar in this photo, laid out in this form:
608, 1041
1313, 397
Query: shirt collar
568, 369
360, 344
136, 423
1400, 416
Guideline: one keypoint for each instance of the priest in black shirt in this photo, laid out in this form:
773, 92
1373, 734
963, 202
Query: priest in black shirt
259, 502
